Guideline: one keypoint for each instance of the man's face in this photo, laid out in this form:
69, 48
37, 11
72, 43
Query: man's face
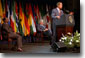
60, 6
41, 23
6, 20
71, 13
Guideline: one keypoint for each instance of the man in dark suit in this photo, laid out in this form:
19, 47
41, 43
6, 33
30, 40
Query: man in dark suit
41, 27
12, 34
56, 15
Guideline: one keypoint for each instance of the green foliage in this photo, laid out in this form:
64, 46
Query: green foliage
71, 40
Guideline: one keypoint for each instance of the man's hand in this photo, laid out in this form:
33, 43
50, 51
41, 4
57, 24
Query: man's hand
71, 13
58, 17
46, 29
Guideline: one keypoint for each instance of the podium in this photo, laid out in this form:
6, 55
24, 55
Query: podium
64, 25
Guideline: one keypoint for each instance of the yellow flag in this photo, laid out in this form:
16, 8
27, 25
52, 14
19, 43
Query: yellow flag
1, 13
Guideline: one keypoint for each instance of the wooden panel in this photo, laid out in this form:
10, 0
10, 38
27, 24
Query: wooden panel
63, 30
59, 32
69, 29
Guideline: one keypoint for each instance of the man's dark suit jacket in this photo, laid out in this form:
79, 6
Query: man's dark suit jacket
7, 28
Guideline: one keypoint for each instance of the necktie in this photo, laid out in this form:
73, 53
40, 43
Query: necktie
60, 13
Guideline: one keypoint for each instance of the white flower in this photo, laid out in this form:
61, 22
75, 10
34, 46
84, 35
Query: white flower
77, 40
60, 40
70, 43
69, 33
71, 40
65, 38
72, 37
78, 34
79, 37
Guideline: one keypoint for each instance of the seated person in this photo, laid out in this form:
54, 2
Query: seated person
41, 27
12, 34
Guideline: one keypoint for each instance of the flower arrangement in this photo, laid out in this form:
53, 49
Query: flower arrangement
71, 40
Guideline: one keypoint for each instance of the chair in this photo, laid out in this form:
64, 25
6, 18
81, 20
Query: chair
5, 37
40, 33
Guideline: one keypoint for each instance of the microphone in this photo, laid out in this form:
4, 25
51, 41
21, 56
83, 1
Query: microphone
66, 11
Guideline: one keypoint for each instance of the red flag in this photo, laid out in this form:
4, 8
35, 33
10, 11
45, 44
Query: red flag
26, 20
38, 13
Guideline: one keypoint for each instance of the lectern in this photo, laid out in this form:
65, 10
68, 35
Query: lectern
64, 25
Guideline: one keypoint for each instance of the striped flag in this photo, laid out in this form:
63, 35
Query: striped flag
8, 11
21, 20
1, 12
31, 21
38, 13
14, 16
11, 18
26, 20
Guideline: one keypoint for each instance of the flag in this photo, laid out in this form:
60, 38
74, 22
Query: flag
26, 20
42, 11
22, 17
47, 15
48, 18
3, 7
35, 14
31, 21
23, 20
1, 12
38, 13
8, 11
12, 17
20, 20
16, 15
12, 20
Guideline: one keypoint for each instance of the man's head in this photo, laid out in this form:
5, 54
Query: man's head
5, 20
71, 13
59, 5
41, 22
